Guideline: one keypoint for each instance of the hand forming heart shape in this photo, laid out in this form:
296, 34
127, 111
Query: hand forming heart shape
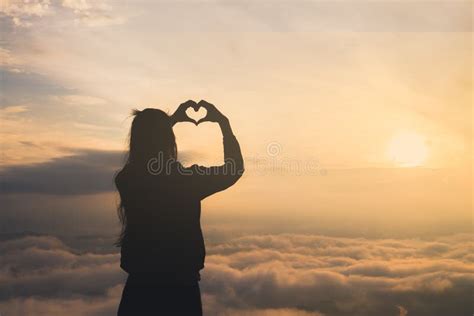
196, 113
205, 110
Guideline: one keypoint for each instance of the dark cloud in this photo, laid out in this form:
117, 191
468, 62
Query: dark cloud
283, 275
86, 172
21, 87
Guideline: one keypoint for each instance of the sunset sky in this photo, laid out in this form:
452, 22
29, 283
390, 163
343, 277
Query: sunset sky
354, 118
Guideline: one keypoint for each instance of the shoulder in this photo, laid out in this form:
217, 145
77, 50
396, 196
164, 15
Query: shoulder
198, 169
120, 176
192, 170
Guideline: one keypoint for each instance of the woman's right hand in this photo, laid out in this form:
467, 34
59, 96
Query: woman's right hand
213, 114
180, 114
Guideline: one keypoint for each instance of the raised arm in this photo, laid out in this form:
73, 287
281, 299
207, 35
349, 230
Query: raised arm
214, 179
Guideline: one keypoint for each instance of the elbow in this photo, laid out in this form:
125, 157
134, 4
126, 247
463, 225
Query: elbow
238, 175
239, 171
236, 169
239, 167
235, 177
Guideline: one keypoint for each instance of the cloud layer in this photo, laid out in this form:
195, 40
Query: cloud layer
343, 276
68, 175
65, 175
257, 275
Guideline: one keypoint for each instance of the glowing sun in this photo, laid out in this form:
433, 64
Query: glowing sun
407, 149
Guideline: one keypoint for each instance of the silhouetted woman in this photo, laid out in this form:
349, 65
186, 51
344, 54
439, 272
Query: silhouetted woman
162, 246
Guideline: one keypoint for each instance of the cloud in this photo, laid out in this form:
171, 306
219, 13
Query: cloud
311, 16
93, 13
85, 171
65, 175
214, 310
342, 276
77, 5
13, 109
89, 13
35, 108
403, 311
283, 275
22, 12
41, 275
96, 306
363, 16
22, 86
9, 61
79, 100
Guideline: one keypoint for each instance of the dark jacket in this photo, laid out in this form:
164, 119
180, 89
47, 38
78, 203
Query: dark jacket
163, 211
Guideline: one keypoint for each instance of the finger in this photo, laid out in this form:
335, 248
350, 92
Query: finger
195, 106
190, 120
189, 103
202, 120
186, 118
205, 104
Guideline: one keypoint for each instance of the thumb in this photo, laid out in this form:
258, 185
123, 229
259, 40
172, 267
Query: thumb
188, 119
201, 121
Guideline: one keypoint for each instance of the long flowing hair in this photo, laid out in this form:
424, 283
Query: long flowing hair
151, 136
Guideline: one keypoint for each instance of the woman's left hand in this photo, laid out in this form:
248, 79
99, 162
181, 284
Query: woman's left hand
213, 114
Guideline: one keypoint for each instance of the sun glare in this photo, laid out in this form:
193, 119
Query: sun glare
408, 149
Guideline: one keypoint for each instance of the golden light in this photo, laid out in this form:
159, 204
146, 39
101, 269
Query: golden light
407, 149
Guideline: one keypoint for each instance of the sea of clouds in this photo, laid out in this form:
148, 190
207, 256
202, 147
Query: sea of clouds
284, 274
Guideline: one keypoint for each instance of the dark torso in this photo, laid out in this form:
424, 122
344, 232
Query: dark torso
163, 237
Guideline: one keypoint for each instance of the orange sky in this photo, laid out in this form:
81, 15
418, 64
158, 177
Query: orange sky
379, 105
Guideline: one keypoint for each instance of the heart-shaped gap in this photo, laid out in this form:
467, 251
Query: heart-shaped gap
196, 115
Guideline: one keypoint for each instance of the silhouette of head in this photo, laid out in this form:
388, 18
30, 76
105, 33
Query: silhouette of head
151, 135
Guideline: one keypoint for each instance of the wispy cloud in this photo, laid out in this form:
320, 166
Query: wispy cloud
13, 109
78, 100
24, 13
93, 13
9, 61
